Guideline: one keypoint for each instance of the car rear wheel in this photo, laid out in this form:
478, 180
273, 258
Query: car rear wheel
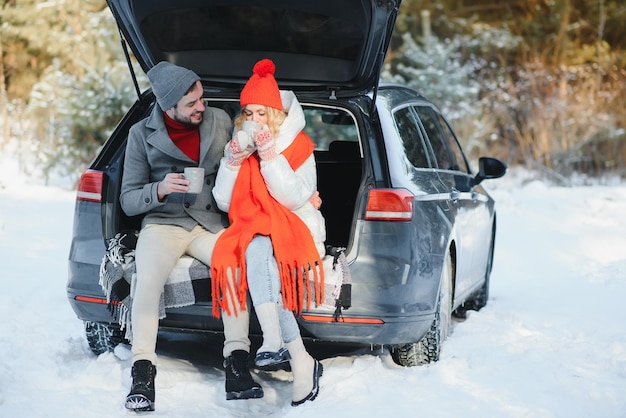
427, 349
102, 337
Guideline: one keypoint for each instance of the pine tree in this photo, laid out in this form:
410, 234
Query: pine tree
82, 86
452, 73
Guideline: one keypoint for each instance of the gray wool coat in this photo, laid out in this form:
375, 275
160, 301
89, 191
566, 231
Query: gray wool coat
151, 154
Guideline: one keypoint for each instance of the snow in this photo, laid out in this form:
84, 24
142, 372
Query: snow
550, 343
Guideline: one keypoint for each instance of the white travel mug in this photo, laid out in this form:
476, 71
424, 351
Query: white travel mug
195, 175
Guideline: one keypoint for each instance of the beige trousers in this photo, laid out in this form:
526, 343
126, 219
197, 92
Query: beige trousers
158, 249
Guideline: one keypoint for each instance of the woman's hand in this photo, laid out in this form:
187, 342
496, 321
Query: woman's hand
240, 148
265, 144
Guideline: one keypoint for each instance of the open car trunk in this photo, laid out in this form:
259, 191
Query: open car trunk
326, 47
339, 162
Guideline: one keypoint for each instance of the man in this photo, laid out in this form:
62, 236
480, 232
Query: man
180, 132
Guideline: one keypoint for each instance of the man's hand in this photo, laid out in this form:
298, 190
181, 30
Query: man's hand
316, 200
172, 183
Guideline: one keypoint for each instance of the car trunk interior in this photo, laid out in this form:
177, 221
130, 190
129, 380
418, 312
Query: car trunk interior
339, 171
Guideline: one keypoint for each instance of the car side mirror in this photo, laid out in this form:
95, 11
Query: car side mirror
489, 168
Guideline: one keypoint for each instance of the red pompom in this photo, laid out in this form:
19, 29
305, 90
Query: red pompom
264, 67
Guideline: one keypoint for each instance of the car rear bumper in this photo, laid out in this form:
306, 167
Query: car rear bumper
198, 318
391, 330
89, 304
393, 298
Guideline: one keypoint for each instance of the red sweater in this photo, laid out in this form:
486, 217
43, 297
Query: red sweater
186, 137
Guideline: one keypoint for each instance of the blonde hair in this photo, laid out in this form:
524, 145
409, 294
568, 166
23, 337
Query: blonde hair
275, 118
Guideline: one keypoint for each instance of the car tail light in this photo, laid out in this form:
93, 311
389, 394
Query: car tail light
389, 205
90, 186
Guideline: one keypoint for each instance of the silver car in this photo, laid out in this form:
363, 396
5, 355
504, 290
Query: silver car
399, 197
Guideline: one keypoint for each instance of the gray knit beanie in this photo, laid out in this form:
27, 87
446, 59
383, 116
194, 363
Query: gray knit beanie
170, 83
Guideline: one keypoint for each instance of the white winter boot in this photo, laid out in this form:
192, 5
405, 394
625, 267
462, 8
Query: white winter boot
272, 352
306, 373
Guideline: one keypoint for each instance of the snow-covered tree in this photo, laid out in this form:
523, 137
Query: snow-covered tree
451, 72
77, 114
83, 93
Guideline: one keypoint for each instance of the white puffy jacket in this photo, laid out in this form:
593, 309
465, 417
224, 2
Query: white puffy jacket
292, 189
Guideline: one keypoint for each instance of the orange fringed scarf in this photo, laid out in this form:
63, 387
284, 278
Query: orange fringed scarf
253, 211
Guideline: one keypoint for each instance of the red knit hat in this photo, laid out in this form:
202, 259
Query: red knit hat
262, 88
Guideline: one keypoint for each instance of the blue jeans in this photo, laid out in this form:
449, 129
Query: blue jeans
264, 283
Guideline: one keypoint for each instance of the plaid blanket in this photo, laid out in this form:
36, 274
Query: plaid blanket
189, 278
337, 281
190, 281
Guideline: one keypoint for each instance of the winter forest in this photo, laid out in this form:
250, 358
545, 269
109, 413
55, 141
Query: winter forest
537, 83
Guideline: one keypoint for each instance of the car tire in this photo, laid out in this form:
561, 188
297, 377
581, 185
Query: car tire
427, 349
102, 338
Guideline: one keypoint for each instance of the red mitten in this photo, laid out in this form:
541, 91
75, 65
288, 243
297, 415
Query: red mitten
265, 144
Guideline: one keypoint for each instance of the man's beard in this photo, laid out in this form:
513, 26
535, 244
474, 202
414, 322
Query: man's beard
187, 120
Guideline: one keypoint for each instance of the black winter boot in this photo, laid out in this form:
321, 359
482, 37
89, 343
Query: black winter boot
239, 382
141, 396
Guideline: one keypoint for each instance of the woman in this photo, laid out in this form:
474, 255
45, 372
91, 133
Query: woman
267, 184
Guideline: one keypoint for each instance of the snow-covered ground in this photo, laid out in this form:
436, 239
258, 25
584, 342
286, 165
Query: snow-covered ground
550, 343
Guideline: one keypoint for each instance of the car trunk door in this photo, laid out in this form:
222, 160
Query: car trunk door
333, 47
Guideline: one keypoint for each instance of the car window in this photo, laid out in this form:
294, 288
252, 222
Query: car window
327, 125
437, 141
411, 139
453, 144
